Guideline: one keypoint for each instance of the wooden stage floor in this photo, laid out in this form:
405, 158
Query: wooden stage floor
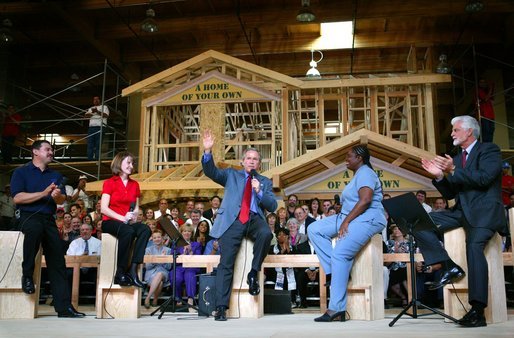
299, 324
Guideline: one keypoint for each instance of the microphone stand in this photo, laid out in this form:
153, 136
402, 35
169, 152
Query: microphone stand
173, 299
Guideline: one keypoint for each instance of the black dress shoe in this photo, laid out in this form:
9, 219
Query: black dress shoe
473, 318
253, 283
221, 315
135, 281
70, 312
123, 280
341, 316
447, 276
27, 285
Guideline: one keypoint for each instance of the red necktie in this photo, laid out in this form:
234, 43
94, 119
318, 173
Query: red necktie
244, 214
464, 154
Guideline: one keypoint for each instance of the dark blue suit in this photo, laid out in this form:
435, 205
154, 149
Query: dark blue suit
229, 230
478, 208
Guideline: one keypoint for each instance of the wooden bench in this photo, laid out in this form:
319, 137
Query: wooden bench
113, 300
75, 263
496, 311
14, 303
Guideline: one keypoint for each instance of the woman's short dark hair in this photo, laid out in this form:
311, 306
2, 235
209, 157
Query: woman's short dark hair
116, 161
283, 230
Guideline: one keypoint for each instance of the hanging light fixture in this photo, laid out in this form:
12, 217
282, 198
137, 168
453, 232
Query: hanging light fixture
313, 72
6, 36
474, 6
443, 67
305, 14
149, 25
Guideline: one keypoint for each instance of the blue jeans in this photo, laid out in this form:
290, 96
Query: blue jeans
93, 143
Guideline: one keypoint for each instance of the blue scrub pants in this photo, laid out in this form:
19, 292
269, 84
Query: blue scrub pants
338, 261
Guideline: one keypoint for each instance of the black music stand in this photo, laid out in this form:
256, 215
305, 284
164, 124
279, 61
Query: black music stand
177, 241
411, 217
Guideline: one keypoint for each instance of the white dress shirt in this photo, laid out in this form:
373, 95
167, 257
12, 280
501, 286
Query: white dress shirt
78, 245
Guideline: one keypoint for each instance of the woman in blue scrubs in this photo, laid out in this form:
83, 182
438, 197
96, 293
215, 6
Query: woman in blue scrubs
362, 216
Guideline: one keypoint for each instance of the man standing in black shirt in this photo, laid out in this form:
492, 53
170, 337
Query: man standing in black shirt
36, 191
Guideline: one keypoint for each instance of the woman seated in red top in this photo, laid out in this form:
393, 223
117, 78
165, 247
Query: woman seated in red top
120, 205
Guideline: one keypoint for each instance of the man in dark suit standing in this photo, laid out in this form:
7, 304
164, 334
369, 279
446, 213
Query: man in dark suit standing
247, 195
473, 179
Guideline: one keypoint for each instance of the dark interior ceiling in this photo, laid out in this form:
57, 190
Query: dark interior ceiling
55, 39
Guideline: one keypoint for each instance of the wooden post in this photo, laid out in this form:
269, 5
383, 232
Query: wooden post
14, 303
212, 116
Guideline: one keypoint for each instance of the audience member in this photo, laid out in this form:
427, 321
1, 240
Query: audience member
282, 217
140, 218
271, 218
485, 109
175, 217
314, 209
183, 275
98, 227
196, 217
7, 209
10, 132
201, 234
190, 205
398, 270
300, 245
80, 192
292, 203
97, 115
59, 219
83, 209
76, 222
149, 214
326, 208
76, 210
210, 214
163, 209
85, 244
96, 214
440, 204
421, 195
303, 220
157, 274
69, 192
507, 184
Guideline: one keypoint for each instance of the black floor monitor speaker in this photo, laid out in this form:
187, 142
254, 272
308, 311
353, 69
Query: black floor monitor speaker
207, 295
277, 301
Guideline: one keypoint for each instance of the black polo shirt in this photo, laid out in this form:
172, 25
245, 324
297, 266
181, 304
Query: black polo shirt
30, 178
